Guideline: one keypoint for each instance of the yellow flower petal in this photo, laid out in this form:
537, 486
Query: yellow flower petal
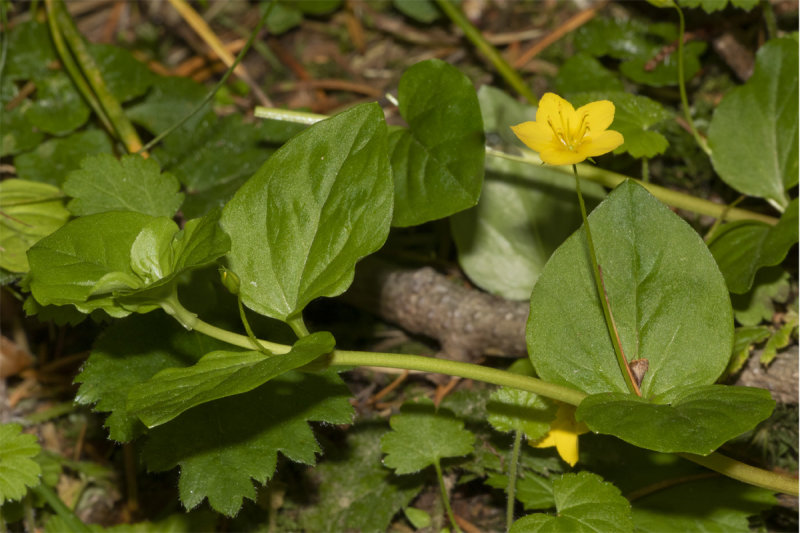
564, 431
599, 115
535, 135
565, 136
602, 143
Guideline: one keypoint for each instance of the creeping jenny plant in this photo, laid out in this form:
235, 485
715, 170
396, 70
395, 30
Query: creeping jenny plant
564, 135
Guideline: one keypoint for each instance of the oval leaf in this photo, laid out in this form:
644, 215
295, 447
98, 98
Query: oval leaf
753, 134
318, 205
690, 419
217, 375
669, 301
438, 161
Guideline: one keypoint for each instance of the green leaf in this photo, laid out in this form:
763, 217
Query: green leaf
52, 160
18, 470
533, 491
132, 183
709, 6
421, 437
584, 504
619, 38
167, 102
356, 492
669, 301
664, 73
741, 248
125, 77
633, 118
518, 410
438, 161
756, 306
499, 112
219, 446
59, 107
694, 419
218, 375
672, 494
754, 131
129, 353
96, 260
17, 134
318, 205
505, 241
28, 212
745, 338
30, 52
583, 73
89, 257
420, 10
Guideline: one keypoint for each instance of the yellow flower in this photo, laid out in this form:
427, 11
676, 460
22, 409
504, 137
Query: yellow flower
565, 136
564, 431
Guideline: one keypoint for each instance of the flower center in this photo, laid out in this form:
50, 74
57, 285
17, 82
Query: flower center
570, 138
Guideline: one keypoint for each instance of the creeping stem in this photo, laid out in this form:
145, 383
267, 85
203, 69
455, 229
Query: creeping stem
601, 294
344, 358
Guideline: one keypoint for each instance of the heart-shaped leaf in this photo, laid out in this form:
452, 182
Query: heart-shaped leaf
695, 419
318, 205
668, 298
438, 161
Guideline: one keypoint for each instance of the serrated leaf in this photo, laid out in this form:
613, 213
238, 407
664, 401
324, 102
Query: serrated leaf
168, 101
28, 212
317, 206
518, 410
533, 491
52, 160
130, 352
505, 241
356, 492
669, 301
619, 38
221, 445
217, 375
59, 107
18, 470
664, 73
754, 131
437, 162
583, 73
421, 437
584, 504
131, 183
741, 248
696, 419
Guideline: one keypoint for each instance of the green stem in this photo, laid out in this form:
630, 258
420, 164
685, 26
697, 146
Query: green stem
64, 512
512, 479
769, 19
672, 198
601, 293
746, 473
250, 335
645, 170
491, 53
457, 368
72, 68
682, 85
445, 498
85, 60
217, 87
298, 326
345, 358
